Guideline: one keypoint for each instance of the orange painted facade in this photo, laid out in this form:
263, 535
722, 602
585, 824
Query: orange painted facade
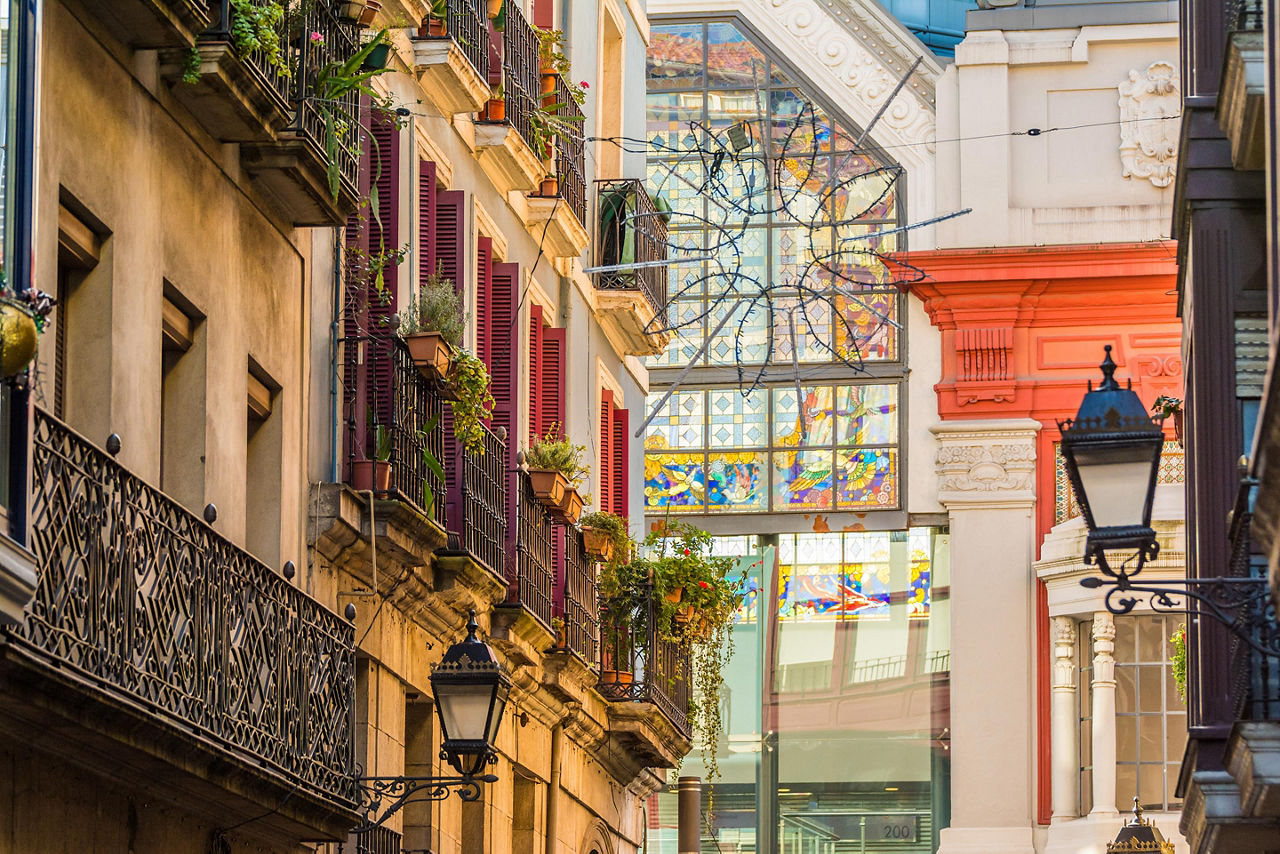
1022, 333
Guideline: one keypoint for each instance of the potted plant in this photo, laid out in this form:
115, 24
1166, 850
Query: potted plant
495, 109
433, 326
557, 628
473, 403
379, 57
371, 10
437, 22
1166, 406
550, 186
350, 11
605, 534
555, 469
571, 505
495, 8
375, 473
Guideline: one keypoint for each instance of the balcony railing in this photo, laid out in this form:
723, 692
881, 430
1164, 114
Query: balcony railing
154, 608
632, 231
580, 599
468, 25
570, 150
478, 503
520, 72
638, 665
1243, 15
1255, 677
531, 564
382, 386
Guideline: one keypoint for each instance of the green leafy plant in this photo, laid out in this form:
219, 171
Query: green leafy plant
334, 81
1165, 406
257, 27
381, 443
470, 381
439, 10
191, 67
1178, 660
612, 525
555, 451
433, 465
436, 307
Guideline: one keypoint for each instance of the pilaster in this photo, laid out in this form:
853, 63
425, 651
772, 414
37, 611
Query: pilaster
1104, 714
1066, 749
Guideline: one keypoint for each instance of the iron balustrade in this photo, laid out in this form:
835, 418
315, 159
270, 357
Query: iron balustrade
569, 149
468, 25
290, 80
377, 840
531, 571
580, 599
520, 72
638, 664
1255, 677
1243, 15
383, 384
631, 231
477, 491
158, 610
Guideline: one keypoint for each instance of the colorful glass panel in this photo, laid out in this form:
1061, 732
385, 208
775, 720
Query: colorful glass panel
736, 481
867, 415
866, 478
738, 420
675, 481
805, 425
803, 480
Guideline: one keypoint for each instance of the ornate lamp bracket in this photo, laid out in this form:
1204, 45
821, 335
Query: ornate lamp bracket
383, 797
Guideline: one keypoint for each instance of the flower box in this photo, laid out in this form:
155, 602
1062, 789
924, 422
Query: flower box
431, 354
571, 505
597, 543
549, 487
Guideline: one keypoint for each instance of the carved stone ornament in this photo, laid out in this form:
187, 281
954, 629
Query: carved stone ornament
986, 468
1148, 136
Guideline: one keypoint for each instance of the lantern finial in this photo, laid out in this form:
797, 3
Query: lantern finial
472, 628
1108, 372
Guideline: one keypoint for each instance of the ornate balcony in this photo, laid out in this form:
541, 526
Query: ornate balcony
632, 236
268, 106
646, 680
477, 499
453, 68
580, 600
157, 646
153, 23
530, 554
505, 148
381, 380
1241, 99
559, 220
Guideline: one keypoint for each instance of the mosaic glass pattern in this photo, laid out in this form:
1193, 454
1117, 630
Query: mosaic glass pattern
735, 481
855, 575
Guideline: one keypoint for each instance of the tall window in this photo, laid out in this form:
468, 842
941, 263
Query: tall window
1084, 700
1151, 720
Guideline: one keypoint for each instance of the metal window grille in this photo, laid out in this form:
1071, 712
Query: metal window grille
570, 151
478, 503
533, 575
581, 600
468, 25
520, 72
631, 230
637, 665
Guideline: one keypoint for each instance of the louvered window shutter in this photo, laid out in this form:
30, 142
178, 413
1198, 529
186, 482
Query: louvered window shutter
356, 401
619, 468
484, 302
505, 336
606, 452
552, 369
537, 428
544, 14
426, 219
450, 234
384, 239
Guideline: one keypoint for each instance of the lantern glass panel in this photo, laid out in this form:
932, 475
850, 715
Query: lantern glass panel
499, 706
464, 710
1116, 480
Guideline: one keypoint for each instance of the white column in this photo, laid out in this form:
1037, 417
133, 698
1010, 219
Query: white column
1065, 722
1104, 715
986, 480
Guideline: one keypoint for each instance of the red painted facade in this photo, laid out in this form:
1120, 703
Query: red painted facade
1022, 333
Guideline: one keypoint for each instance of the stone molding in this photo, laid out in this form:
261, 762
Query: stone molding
1149, 145
986, 463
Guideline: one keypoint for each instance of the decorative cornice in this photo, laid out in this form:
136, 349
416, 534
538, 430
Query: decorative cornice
986, 463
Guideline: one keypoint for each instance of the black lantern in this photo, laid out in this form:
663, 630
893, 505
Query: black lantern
470, 690
1112, 453
1139, 836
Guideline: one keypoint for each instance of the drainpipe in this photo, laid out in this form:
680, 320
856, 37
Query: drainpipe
333, 356
689, 812
553, 788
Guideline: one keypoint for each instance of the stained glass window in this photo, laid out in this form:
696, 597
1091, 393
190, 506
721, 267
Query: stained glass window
821, 447
789, 210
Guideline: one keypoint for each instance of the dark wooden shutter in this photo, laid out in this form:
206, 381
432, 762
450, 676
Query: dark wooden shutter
504, 366
484, 302
450, 236
537, 428
383, 232
552, 369
426, 219
619, 503
605, 487
544, 14
355, 321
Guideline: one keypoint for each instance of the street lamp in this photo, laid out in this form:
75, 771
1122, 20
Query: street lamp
1112, 454
471, 691
1139, 836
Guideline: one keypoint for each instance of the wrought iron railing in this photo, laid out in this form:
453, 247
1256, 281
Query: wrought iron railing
290, 78
1243, 15
1255, 677
155, 608
468, 25
570, 150
637, 663
383, 386
520, 72
531, 564
632, 232
478, 503
379, 840
580, 599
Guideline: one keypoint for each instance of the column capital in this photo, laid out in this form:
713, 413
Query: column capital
1104, 647
1064, 653
987, 464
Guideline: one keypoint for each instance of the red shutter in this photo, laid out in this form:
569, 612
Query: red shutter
605, 487
544, 14
536, 427
384, 231
505, 369
485, 323
450, 236
551, 405
619, 468
426, 219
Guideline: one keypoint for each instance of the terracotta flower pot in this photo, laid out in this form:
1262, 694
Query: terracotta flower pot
675, 596
436, 28
431, 354
371, 474
494, 7
597, 543
549, 486
371, 10
571, 505
550, 187
684, 614
617, 677
495, 110
351, 10
548, 79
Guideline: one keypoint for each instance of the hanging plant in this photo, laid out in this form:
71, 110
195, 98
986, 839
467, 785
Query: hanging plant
1178, 660
469, 379
334, 81
606, 535
555, 452
257, 27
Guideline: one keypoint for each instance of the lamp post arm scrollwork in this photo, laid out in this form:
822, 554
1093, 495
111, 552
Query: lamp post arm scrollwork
383, 797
